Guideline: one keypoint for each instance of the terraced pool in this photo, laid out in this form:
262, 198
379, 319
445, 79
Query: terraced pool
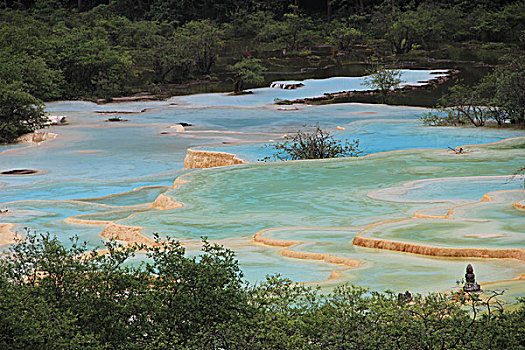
408, 214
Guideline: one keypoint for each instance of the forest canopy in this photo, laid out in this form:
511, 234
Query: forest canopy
85, 49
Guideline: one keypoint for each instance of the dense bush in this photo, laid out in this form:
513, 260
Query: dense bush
20, 113
317, 144
53, 297
499, 97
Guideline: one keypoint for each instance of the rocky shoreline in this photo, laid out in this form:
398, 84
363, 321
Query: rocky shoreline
369, 95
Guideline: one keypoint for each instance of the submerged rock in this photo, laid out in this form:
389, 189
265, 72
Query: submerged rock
19, 172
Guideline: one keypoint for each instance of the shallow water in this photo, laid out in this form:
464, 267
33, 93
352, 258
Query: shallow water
311, 88
101, 171
381, 135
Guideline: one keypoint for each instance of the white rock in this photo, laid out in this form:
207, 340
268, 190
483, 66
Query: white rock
177, 128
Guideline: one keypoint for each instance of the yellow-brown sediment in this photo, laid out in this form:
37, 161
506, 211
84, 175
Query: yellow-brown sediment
259, 238
494, 143
128, 234
426, 216
419, 249
37, 137
209, 159
517, 278
92, 199
179, 182
520, 205
439, 251
487, 197
76, 221
328, 258
163, 202
83, 219
334, 275
7, 235
331, 259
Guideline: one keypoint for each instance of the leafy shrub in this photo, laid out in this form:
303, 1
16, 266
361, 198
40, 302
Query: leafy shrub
318, 144
442, 117
20, 113
55, 297
379, 77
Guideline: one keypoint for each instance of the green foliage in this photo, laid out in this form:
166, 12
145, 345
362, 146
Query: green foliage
442, 117
59, 61
318, 144
20, 113
503, 25
464, 103
419, 27
509, 84
54, 297
80, 298
248, 70
70, 49
91, 65
383, 79
203, 40
343, 36
170, 59
247, 24
294, 32
500, 96
195, 298
23, 56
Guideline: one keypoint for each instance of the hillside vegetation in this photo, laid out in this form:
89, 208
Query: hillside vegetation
101, 49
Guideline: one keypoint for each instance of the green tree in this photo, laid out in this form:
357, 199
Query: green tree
34, 73
57, 297
499, 96
195, 299
292, 25
343, 36
20, 113
248, 70
510, 87
463, 103
383, 79
91, 66
24, 51
404, 30
203, 41
246, 24
295, 31
170, 59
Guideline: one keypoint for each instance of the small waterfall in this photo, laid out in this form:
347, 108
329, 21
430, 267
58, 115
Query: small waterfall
286, 86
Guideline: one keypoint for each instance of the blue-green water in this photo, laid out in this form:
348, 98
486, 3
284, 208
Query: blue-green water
97, 170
